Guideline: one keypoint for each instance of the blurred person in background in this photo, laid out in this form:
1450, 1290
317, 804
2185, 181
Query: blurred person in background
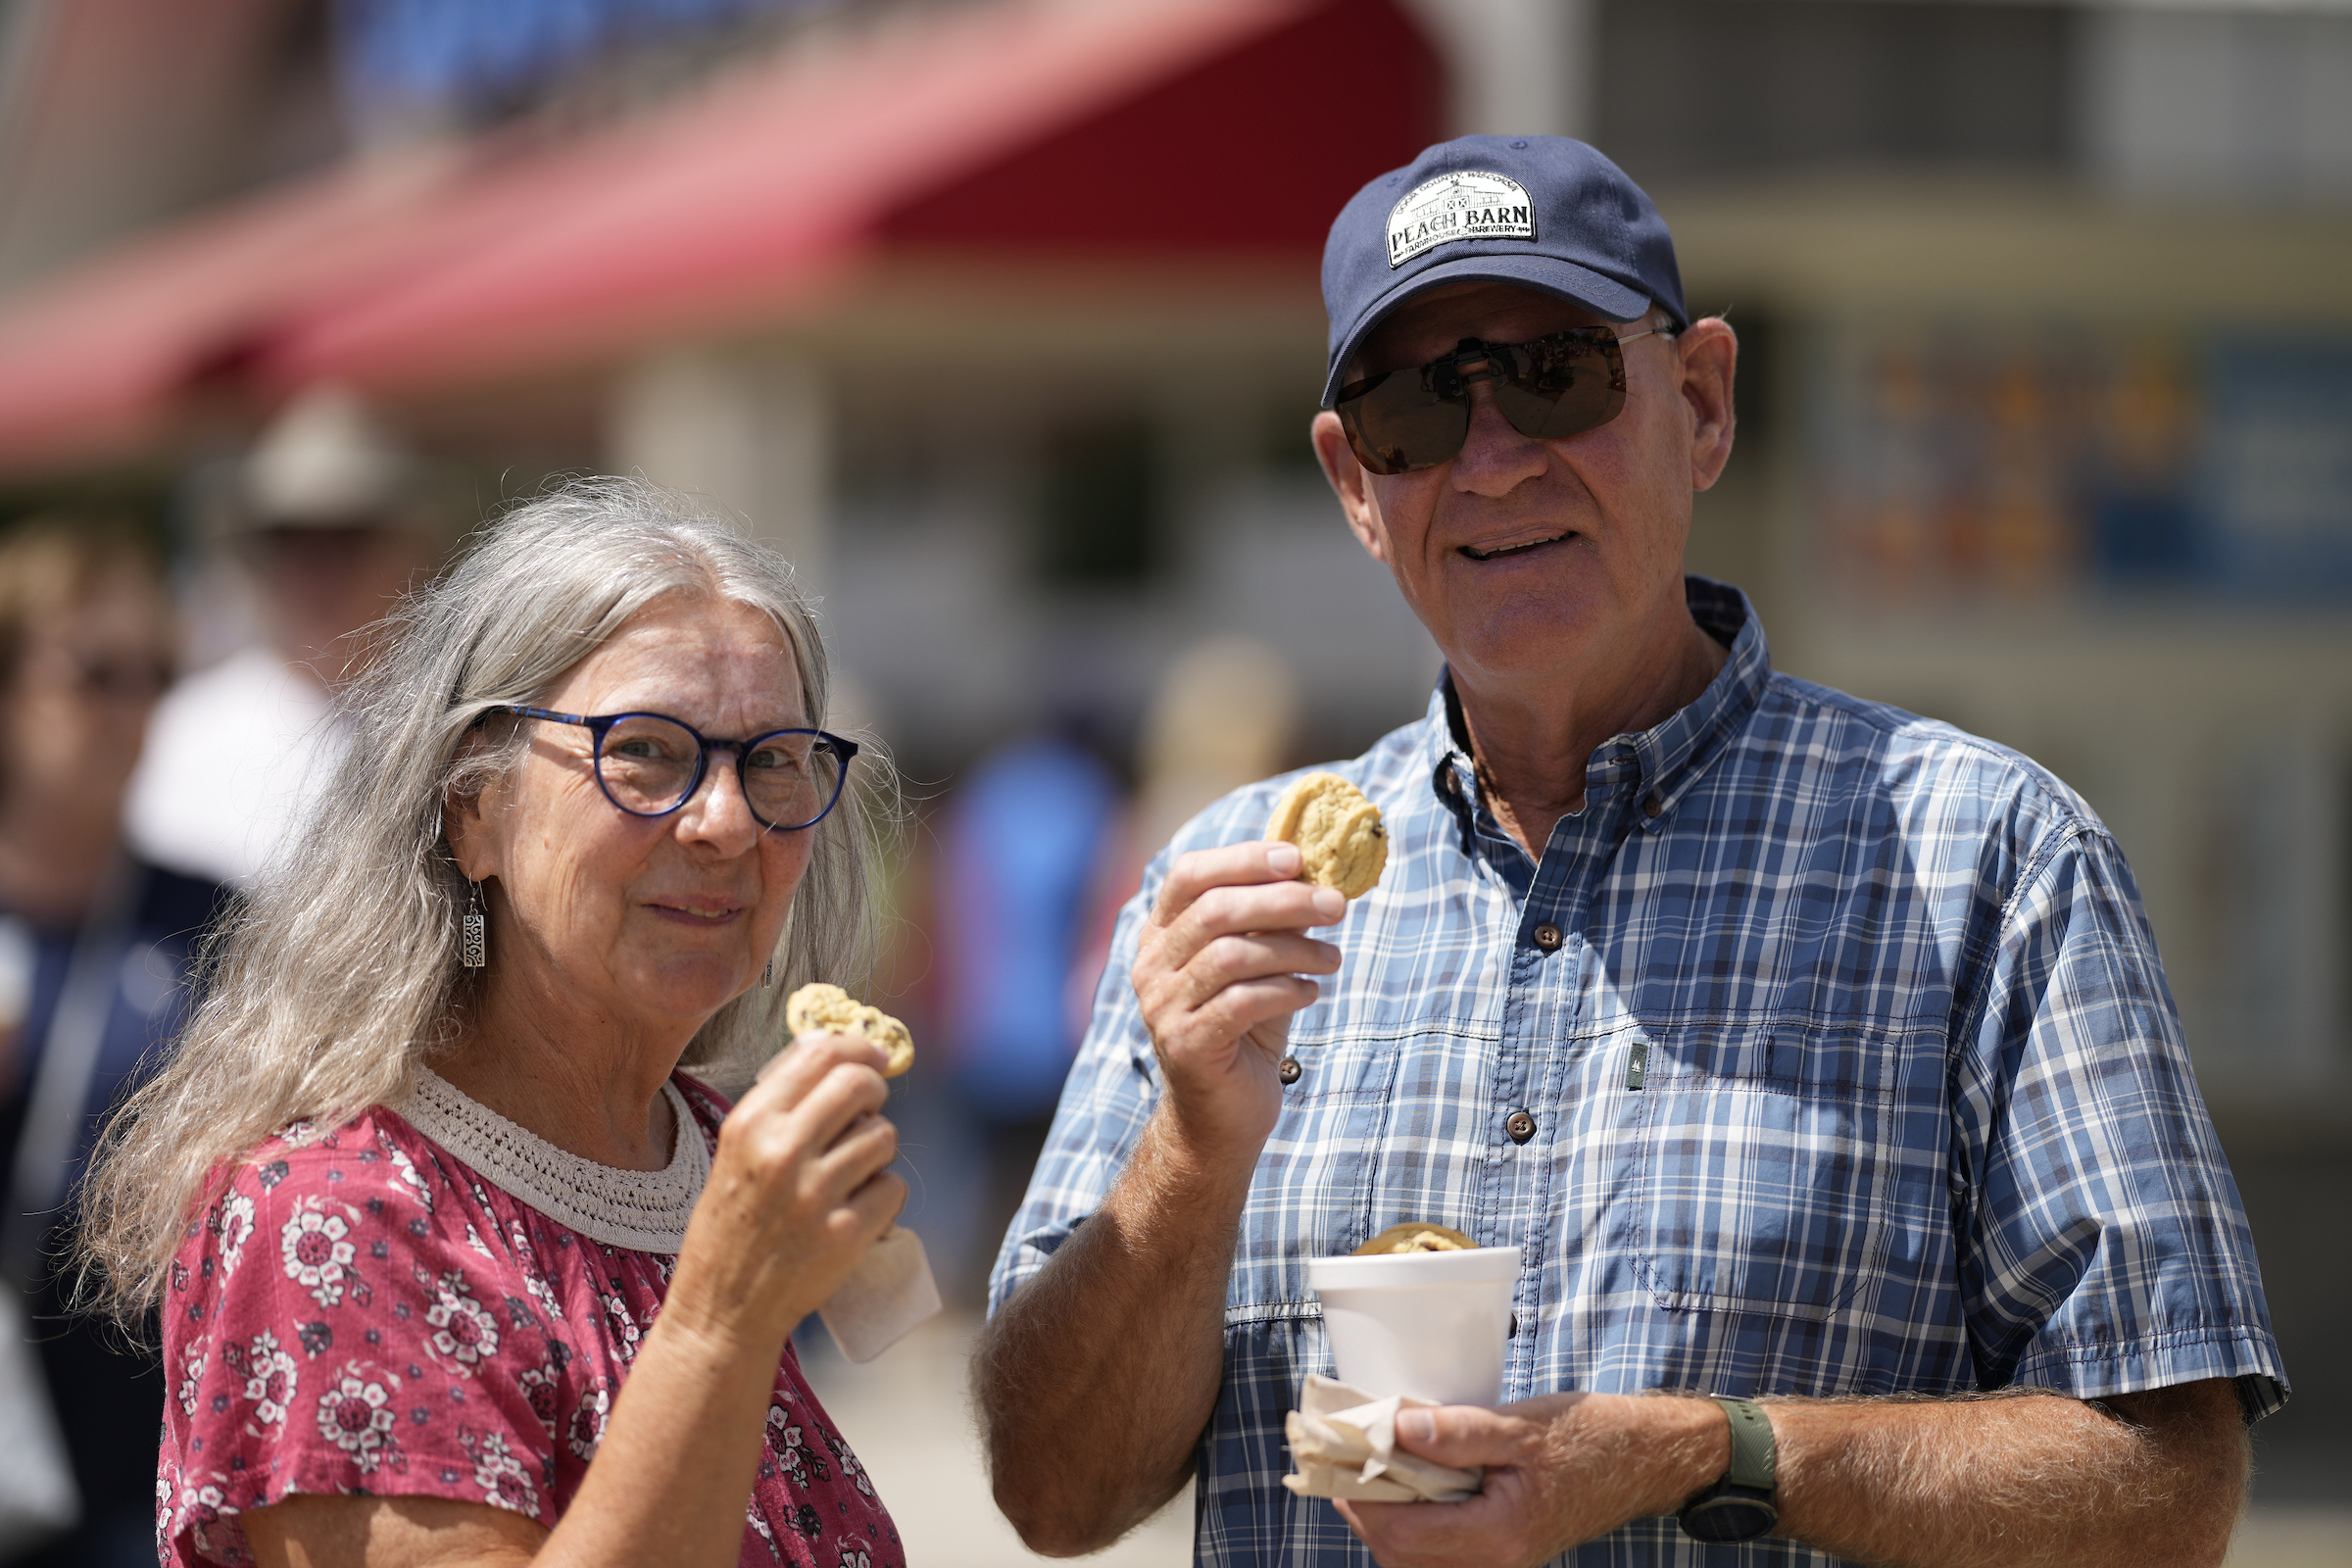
1225, 712
1225, 715
1027, 841
1810, 1054
1039, 848
94, 946
457, 1261
327, 523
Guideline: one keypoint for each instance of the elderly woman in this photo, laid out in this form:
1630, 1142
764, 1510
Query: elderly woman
457, 1262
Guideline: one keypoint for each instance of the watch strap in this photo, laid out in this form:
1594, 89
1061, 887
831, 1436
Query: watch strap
1751, 1445
1740, 1505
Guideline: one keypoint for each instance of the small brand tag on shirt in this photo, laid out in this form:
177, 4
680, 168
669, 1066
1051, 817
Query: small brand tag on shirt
1471, 205
1638, 1064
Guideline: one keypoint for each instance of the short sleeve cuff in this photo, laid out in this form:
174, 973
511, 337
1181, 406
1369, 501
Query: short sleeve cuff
2249, 1356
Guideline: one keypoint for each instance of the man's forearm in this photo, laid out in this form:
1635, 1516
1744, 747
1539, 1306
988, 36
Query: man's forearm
2015, 1481
1096, 1379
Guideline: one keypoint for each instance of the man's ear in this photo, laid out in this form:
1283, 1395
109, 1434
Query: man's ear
1710, 355
1350, 483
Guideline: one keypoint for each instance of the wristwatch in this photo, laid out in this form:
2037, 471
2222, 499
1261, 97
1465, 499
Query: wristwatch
1739, 1506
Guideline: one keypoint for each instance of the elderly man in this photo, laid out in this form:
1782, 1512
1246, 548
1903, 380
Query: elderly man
1816, 1056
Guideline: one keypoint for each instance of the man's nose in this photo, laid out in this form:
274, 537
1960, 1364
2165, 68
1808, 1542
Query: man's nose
1494, 459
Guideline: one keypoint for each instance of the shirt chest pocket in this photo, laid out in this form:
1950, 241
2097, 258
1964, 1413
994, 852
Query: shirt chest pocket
1316, 1187
1765, 1170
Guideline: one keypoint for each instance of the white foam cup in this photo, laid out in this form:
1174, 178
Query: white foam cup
1428, 1324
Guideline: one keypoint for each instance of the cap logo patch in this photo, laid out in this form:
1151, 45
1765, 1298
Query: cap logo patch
1471, 205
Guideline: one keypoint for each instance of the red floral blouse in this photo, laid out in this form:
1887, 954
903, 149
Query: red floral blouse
363, 1313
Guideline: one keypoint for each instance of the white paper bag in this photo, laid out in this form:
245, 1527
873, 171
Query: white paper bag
888, 1292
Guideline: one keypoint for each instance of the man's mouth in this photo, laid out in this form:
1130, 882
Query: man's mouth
1502, 551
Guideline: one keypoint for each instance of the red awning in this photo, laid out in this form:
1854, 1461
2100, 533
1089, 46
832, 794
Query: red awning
1048, 127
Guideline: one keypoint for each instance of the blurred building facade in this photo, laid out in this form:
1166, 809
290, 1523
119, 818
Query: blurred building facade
1002, 319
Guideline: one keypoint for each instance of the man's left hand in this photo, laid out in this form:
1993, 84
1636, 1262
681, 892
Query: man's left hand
1560, 1469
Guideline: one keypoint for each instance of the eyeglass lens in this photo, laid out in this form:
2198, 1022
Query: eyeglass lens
649, 765
1547, 389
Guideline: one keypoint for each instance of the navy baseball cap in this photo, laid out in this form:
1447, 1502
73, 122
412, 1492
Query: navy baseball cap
1543, 212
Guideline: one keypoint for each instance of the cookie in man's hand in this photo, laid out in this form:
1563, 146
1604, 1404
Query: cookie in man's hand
816, 1010
1337, 829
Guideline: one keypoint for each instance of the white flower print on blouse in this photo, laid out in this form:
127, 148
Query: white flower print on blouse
235, 1228
533, 1281
407, 1169
792, 1456
192, 1382
758, 1523
850, 1466
542, 1388
498, 1471
317, 1254
270, 1379
855, 1560
356, 1416
586, 1430
464, 1330
204, 1507
625, 1327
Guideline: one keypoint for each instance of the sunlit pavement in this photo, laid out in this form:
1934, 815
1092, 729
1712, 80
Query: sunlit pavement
908, 1416
2294, 1538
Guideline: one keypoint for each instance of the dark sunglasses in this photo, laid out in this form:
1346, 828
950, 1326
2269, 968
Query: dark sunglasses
1552, 386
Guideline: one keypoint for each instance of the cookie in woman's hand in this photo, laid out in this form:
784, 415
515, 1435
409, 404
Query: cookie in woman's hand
816, 1010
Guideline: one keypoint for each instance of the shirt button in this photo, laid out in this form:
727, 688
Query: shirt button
1520, 1125
1652, 803
1548, 937
1289, 1070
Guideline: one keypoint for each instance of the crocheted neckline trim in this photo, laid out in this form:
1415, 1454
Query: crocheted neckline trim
643, 1210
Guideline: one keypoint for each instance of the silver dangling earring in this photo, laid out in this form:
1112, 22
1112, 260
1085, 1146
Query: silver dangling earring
474, 942
768, 978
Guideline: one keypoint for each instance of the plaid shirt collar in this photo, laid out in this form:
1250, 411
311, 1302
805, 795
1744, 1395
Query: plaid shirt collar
1664, 760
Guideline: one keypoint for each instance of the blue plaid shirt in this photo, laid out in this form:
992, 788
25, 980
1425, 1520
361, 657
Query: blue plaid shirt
1852, 1066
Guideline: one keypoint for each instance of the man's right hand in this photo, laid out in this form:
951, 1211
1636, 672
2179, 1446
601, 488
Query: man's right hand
1220, 973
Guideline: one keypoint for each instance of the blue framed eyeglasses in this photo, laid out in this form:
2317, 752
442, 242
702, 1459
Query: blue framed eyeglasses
649, 765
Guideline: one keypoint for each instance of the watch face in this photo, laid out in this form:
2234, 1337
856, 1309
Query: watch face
1729, 1516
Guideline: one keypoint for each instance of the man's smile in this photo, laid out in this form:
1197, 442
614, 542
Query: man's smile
1497, 552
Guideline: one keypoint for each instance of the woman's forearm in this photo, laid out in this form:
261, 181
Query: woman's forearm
1096, 1379
680, 1455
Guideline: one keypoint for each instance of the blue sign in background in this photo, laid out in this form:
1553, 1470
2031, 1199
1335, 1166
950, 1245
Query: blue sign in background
468, 55
2274, 490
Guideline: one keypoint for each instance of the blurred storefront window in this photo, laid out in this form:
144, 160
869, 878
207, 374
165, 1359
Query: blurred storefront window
1970, 461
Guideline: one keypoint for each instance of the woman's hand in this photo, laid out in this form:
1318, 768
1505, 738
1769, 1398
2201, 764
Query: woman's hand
799, 1188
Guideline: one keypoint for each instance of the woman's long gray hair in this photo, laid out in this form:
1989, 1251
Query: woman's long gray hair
339, 976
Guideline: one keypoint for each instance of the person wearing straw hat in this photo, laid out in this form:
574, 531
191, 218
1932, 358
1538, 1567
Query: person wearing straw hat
327, 522
1815, 1056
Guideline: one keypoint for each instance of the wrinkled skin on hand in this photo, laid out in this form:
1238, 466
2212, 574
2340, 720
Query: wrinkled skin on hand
1220, 970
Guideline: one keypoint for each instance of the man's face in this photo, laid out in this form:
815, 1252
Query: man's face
321, 587
1528, 558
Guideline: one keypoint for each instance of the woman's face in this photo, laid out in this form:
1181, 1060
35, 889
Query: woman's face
89, 679
653, 921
